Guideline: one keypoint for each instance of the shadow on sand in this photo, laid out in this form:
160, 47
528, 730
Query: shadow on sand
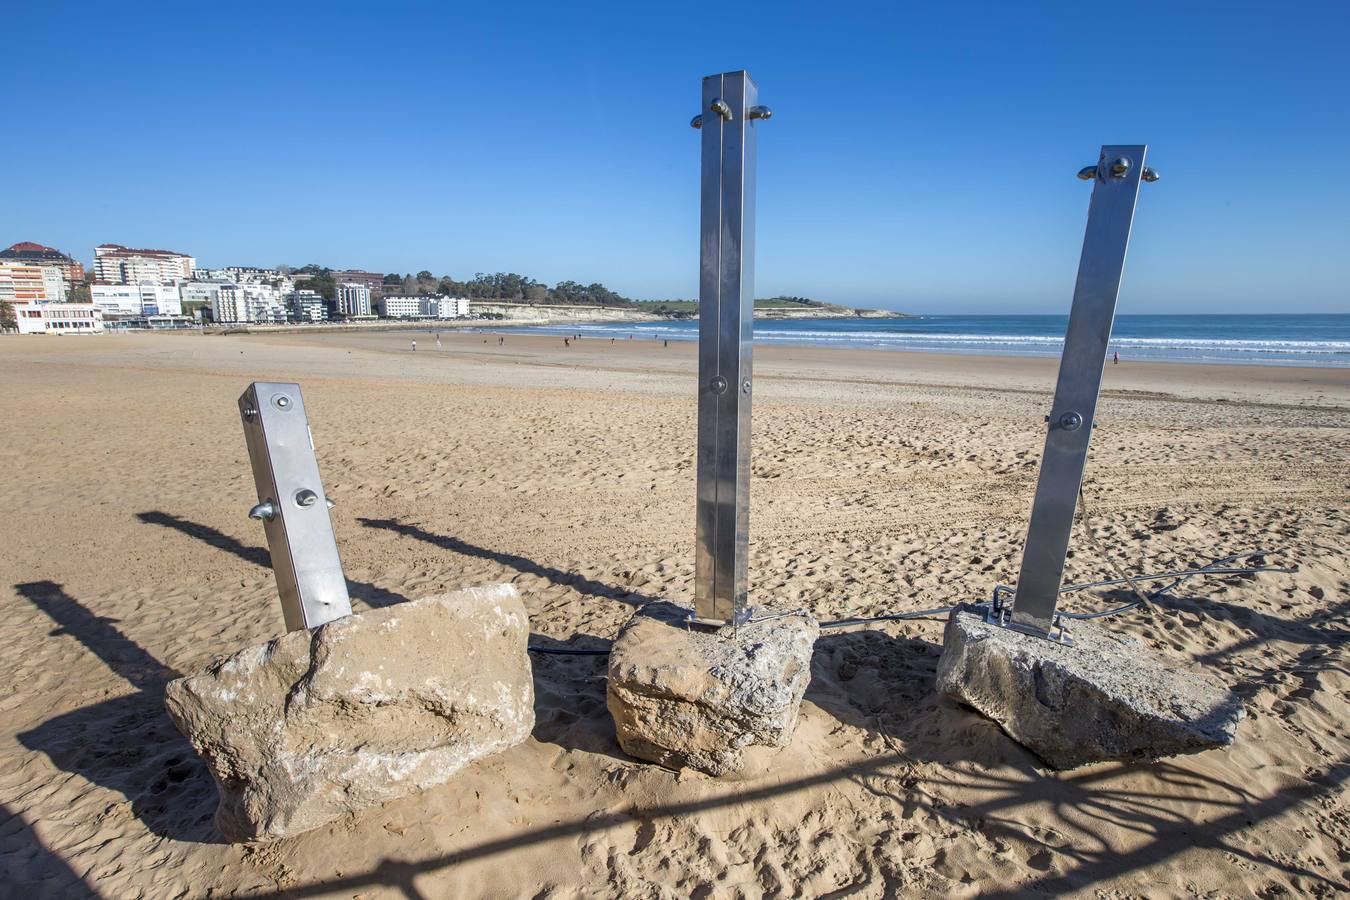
126, 744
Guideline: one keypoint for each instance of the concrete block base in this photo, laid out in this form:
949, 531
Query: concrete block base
1107, 697
691, 697
360, 711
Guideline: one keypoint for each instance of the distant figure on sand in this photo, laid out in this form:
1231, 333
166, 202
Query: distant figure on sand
438, 341
665, 343
567, 342
500, 341
414, 346
1115, 358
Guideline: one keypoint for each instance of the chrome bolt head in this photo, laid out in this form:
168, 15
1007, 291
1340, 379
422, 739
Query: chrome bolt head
1087, 173
1120, 167
696, 122
1149, 175
718, 384
281, 401
1070, 421
305, 498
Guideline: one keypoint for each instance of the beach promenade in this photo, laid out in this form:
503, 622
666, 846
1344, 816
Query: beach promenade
881, 481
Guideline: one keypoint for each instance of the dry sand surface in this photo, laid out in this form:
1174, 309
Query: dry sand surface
882, 482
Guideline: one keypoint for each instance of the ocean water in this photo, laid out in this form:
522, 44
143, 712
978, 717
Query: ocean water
1295, 340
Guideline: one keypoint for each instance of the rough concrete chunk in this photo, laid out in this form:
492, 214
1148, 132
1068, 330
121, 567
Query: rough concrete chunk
692, 697
1108, 697
360, 711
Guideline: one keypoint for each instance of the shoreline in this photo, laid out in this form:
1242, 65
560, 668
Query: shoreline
867, 365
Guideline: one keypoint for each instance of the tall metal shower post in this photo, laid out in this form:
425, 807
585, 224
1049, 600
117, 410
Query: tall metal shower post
1115, 191
728, 119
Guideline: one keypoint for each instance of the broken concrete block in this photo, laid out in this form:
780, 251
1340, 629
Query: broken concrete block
685, 696
1107, 697
359, 711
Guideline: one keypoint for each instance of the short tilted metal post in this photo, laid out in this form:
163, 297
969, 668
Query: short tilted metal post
292, 506
1115, 191
726, 322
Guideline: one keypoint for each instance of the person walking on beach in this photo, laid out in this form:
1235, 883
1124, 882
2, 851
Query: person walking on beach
1115, 358
414, 346
665, 342
438, 340
567, 342
501, 340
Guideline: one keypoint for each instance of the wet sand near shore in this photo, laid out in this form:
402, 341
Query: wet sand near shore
881, 481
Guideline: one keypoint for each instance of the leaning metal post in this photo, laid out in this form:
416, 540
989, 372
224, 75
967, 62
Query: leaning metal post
726, 321
1115, 191
292, 506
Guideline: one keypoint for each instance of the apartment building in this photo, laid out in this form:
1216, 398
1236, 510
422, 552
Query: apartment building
372, 280
29, 253
353, 299
25, 283
146, 298
115, 264
442, 307
400, 307
306, 306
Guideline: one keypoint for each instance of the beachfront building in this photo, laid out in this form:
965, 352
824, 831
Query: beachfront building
306, 306
58, 318
146, 298
353, 299
228, 304
372, 280
442, 307
233, 303
248, 275
29, 283
29, 253
197, 294
400, 307
115, 264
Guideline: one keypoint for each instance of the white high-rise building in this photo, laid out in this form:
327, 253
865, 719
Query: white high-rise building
115, 264
228, 304
53, 284
353, 299
232, 303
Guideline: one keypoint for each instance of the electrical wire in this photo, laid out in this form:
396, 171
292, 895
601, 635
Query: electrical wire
569, 651
1214, 567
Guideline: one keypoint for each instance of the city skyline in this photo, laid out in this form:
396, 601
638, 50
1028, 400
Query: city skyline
917, 160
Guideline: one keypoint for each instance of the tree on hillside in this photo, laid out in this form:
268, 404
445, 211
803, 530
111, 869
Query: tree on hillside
317, 279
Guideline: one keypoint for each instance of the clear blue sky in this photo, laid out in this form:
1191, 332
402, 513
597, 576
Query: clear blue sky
918, 159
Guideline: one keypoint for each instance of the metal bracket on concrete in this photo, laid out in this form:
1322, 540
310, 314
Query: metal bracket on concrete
292, 506
1115, 191
726, 322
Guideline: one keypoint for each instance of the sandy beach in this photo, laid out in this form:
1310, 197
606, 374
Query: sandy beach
882, 482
